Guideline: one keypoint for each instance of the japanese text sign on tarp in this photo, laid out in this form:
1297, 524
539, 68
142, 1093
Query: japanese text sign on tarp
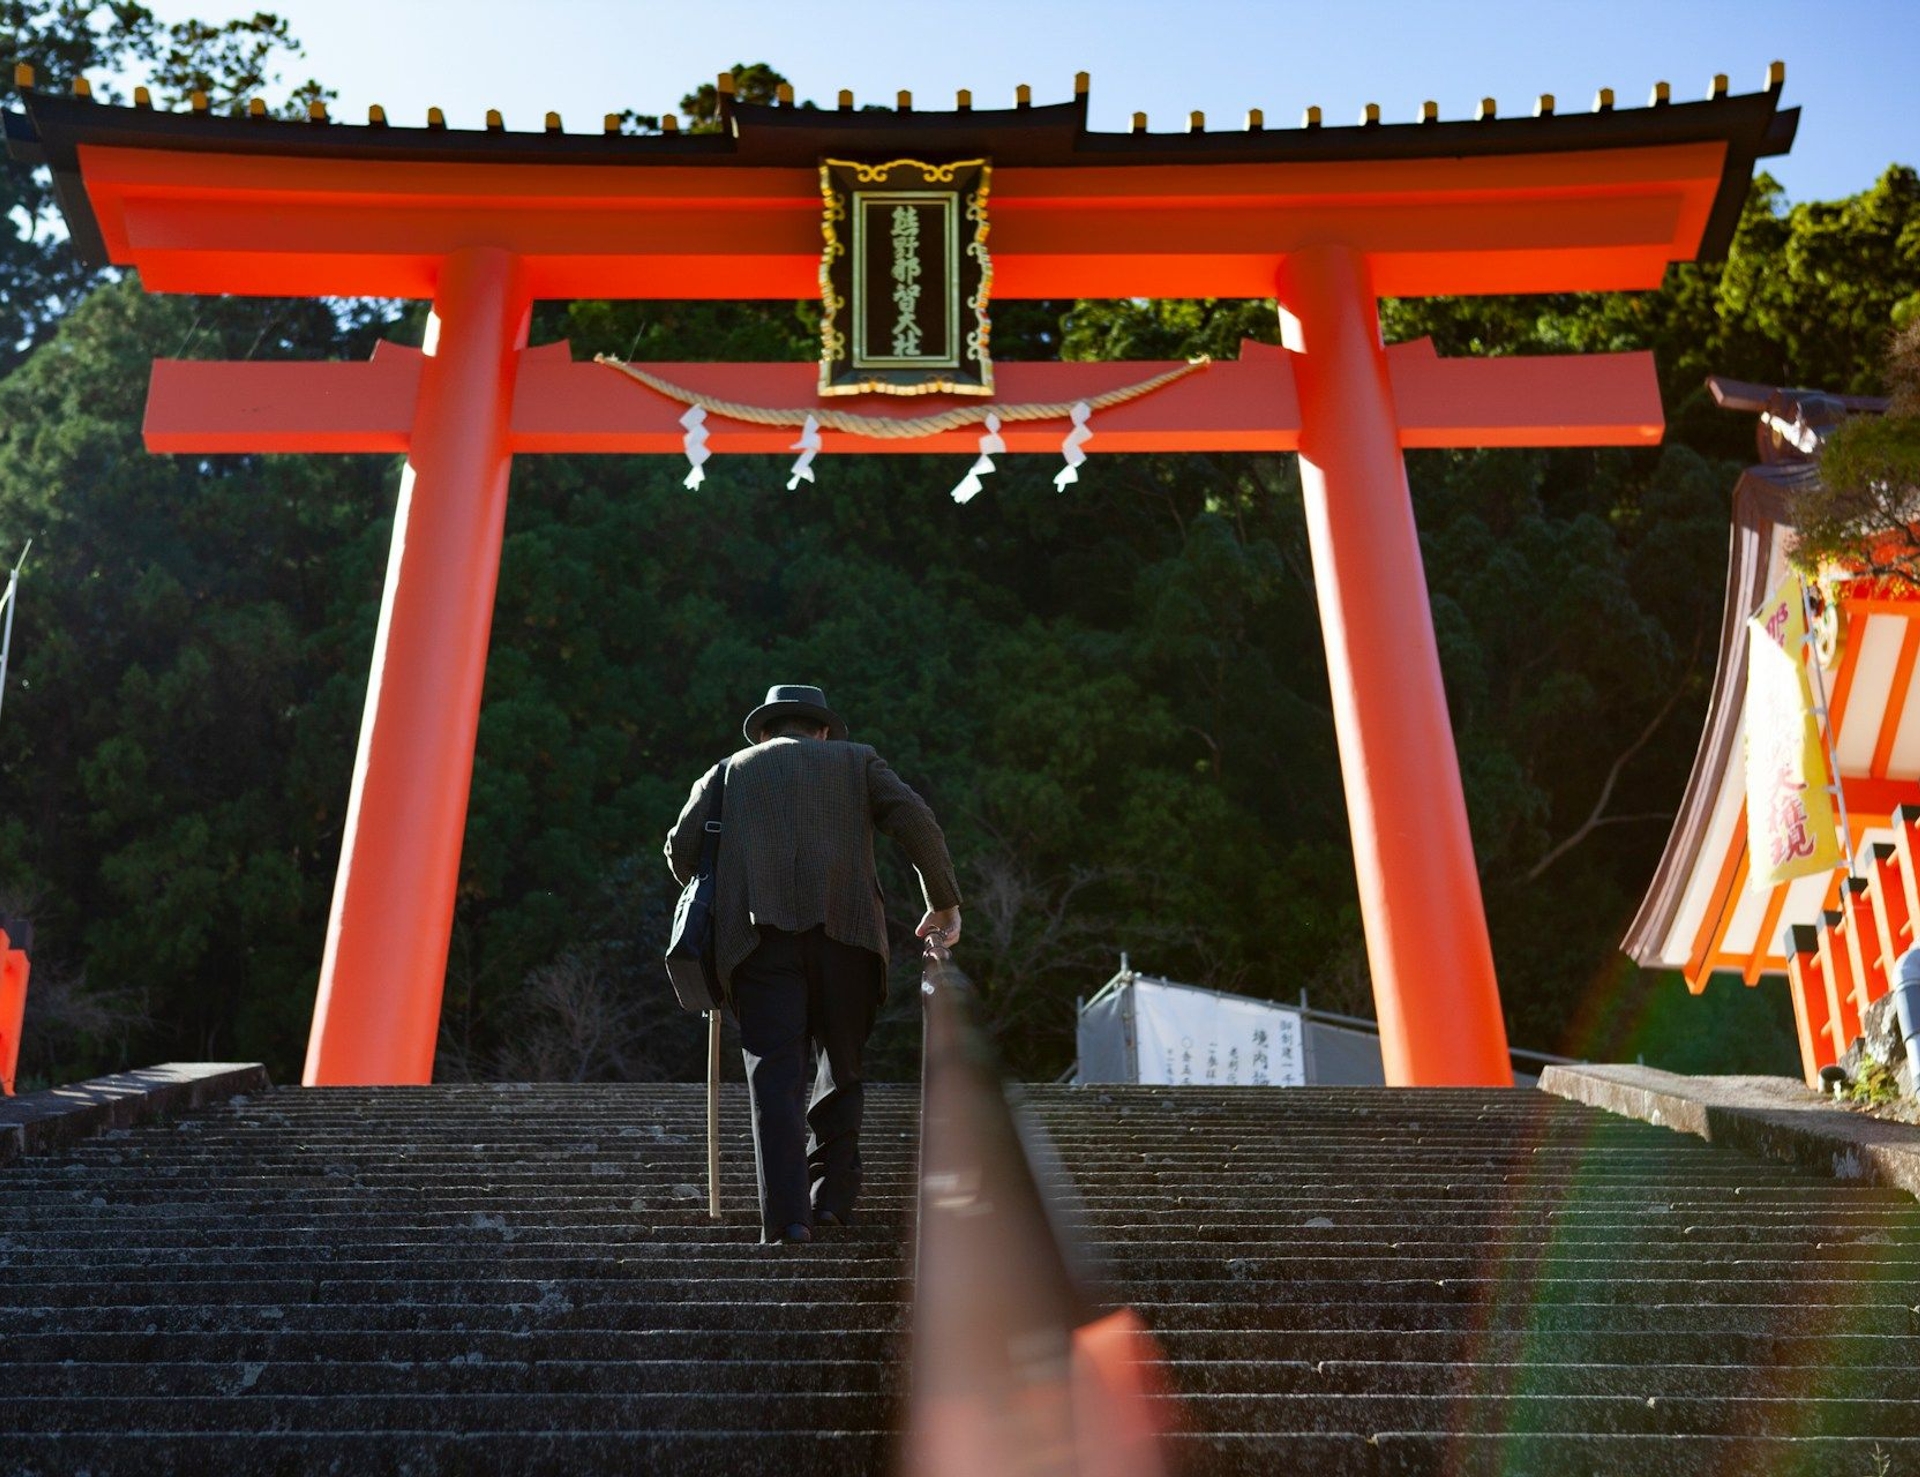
1790, 817
1197, 1038
904, 278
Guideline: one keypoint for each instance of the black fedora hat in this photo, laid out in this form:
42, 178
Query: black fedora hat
793, 702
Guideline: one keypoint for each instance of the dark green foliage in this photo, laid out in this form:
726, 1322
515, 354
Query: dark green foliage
1863, 512
63, 40
231, 63
752, 83
1116, 697
1621, 1014
1876, 1085
189, 664
1809, 295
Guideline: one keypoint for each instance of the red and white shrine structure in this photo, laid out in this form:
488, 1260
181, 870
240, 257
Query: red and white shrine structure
1831, 936
1325, 220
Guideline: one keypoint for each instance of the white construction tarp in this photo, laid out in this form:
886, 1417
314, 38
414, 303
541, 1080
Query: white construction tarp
1155, 1032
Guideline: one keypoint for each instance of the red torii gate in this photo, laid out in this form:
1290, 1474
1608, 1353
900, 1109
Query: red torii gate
1324, 220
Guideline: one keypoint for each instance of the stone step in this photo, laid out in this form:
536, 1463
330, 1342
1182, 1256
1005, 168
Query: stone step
679, 1409
421, 1348
1492, 1378
1125, 1240
811, 1452
1279, 1209
1433, 1454
159, 1290
471, 1372
116, 1224
1542, 1391
557, 1312
658, 1201
635, 1267
676, 1409
499, 1238
1768, 1321
1473, 1413
1773, 1320
874, 1252
465, 1373
1259, 1184
497, 1271
1764, 1348
1235, 1358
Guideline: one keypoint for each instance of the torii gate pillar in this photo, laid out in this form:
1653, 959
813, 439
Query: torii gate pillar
377, 1018
1433, 982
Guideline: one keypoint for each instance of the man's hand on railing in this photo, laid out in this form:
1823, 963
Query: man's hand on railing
941, 926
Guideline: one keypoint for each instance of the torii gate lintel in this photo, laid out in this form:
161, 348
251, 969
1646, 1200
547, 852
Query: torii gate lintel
207, 407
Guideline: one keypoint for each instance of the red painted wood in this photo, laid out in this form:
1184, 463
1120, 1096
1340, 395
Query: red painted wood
1906, 846
1593, 220
1435, 993
1836, 972
1865, 962
204, 407
377, 1016
1250, 404
14, 969
1892, 924
1811, 1010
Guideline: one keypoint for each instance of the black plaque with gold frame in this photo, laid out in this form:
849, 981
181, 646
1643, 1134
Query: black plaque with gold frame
904, 278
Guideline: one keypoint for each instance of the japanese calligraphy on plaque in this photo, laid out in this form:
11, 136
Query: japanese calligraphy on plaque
904, 278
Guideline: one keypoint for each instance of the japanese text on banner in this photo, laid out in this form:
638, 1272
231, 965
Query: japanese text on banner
1790, 816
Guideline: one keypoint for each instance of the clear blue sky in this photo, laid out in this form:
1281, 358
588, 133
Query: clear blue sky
1852, 65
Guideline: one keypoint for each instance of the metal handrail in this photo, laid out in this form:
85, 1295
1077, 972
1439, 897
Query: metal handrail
1016, 1364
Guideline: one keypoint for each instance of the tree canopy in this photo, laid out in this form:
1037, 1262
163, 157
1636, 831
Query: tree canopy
64, 40
1115, 696
1864, 516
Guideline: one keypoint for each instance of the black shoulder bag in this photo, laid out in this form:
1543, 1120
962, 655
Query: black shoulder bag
692, 962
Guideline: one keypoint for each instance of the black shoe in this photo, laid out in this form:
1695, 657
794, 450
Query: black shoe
795, 1235
830, 1218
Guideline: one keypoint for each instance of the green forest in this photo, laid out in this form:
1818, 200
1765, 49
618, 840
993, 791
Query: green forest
1115, 696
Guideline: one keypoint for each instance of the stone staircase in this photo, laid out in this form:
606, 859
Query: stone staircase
1451, 1281
524, 1280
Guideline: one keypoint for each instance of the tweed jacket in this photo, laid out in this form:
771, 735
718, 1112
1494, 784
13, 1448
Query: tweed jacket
796, 845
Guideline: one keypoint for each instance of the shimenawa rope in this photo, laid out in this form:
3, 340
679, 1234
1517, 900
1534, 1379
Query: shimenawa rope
886, 427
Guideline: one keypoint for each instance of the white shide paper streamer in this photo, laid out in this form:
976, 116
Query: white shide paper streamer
991, 445
1078, 437
695, 443
808, 446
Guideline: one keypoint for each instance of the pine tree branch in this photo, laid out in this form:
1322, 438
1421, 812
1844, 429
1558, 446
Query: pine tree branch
1597, 817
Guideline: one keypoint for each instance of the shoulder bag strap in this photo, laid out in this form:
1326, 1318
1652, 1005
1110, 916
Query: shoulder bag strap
710, 842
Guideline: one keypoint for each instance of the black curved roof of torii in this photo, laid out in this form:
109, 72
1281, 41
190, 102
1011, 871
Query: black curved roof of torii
1055, 136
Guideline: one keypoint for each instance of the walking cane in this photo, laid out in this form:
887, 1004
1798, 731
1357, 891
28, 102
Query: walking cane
713, 1114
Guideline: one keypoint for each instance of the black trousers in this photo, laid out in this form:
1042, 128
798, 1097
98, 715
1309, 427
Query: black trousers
796, 992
